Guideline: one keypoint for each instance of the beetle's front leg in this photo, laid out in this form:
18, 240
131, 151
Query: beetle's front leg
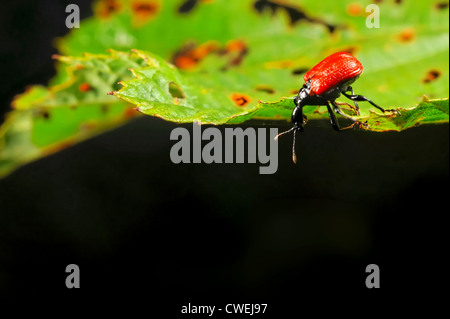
333, 120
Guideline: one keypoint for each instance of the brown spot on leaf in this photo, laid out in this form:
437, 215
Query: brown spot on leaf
43, 113
294, 12
431, 76
185, 62
236, 51
353, 50
204, 49
236, 45
105, 8
190, 55
144, 10
187, 6
104, 108
84, 87
299, 71
265, 88
355, 10
240, 99
441, 5
406, 35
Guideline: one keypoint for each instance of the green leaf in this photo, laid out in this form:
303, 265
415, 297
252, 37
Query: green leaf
229, 57
153, 92
401, 58
46, 120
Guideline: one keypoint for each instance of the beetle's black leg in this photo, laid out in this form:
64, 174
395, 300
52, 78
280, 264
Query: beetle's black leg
338, 110
362, 98
333, 119
350, 89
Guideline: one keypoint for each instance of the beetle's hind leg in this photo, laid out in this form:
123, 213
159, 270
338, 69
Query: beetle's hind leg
339, 111
362, 98
354, 97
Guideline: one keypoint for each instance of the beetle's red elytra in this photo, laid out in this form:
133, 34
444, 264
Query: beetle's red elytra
324, 83
338, 67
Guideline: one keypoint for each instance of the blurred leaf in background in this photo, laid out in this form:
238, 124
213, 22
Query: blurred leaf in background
225, 57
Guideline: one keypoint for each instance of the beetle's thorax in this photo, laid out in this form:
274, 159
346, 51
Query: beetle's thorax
307, 97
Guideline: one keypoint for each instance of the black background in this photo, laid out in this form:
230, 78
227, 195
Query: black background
154, 235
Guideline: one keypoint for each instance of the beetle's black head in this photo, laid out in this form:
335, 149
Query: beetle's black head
300, 100
297, 116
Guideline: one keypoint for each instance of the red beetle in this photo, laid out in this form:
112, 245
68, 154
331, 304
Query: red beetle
324, 83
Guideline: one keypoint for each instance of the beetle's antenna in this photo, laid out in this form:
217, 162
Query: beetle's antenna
294, 156
294, 128
282, 133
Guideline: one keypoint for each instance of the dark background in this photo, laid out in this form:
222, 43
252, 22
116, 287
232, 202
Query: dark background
150, 234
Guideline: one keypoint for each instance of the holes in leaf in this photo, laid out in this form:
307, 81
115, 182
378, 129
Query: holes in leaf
431, 76
240, 99
117, 85
176, 91
265, 88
